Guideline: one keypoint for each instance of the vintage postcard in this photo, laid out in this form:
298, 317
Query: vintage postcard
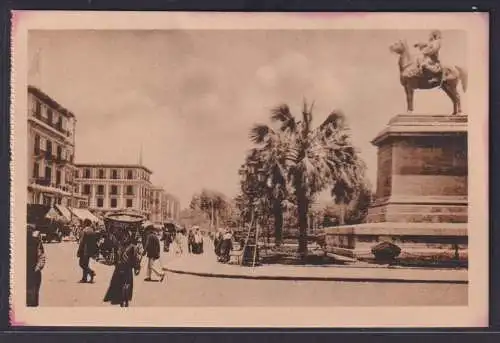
249, 169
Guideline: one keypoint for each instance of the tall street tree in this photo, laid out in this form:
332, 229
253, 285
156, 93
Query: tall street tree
265, 179
311, 158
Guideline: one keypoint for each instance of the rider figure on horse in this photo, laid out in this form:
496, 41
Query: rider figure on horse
429, 60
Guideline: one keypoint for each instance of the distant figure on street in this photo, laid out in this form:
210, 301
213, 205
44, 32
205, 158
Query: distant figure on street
226, 246
127, 264
152, 251
35, 261
218, 242
198, 242
190, 241
87, 250
178, 243
167, 240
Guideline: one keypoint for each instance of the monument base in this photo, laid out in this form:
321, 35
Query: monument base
422, 200
417, 239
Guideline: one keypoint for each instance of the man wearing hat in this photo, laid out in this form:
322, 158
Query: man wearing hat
152, 251
86, 250
35, 261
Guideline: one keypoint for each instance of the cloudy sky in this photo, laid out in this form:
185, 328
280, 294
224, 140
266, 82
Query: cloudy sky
190, 97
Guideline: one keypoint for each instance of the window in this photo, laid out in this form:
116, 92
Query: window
59, 152
101, 173
86, 189
48, 173
49, 116
114, 190
59, 124
100, 202
58, 177
114, 174
37, 144
130, 202
36, 170
130, 190
49, 147
38, 109
86, 173
100, 189
130, 174
114, 203
77, 174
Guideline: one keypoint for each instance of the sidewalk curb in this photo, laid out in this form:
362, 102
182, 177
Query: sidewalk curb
314, 278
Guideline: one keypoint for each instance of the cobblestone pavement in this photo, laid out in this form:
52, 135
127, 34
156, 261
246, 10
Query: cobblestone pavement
60, 287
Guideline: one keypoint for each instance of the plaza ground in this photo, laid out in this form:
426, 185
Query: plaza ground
60, 287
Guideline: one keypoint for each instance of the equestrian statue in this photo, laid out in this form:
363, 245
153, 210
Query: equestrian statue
425, 71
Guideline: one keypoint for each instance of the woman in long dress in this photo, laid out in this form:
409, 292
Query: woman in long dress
127, 263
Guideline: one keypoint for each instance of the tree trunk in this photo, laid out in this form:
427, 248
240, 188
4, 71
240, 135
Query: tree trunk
303, 206
342, 214
278, 222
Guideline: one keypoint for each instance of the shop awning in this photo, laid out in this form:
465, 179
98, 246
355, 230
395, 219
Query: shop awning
64, 211
82, 214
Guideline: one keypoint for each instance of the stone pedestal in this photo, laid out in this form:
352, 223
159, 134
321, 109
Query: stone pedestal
421, 197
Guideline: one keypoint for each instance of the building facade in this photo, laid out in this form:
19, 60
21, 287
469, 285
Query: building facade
164, 206
171, 207
110, 187
51, 152
157, 205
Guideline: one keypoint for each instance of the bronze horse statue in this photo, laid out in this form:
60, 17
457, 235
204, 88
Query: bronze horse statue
412, 78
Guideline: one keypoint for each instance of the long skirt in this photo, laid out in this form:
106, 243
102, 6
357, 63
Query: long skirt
33, 283
121, 286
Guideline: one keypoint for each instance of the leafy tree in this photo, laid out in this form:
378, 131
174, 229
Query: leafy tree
214, 204
264, 183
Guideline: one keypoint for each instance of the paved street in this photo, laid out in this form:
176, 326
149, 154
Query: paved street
60, 287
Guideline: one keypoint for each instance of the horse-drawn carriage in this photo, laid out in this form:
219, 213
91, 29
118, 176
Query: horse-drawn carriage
118, 226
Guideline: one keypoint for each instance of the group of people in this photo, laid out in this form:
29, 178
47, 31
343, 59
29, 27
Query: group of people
128, 249
195, 241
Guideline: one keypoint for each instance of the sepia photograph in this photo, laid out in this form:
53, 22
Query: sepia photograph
217, 169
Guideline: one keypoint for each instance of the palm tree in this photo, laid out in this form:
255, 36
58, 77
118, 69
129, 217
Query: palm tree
310, 159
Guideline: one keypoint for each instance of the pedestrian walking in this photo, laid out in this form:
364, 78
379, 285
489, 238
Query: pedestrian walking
191, 241
226, 246
35, 262
127, 264
198, 242
178, 241
218, 242
152, 251
87, 250
167, 240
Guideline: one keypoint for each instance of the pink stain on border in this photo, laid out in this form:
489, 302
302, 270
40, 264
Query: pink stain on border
13, 321
15, 17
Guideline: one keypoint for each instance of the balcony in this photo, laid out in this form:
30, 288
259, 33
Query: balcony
42, 181
57, 126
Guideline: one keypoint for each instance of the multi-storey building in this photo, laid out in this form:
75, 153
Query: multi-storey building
115, 187
164, 206
171, 207
51, 151
157, 205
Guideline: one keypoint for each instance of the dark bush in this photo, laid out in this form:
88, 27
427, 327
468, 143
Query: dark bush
386, 251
